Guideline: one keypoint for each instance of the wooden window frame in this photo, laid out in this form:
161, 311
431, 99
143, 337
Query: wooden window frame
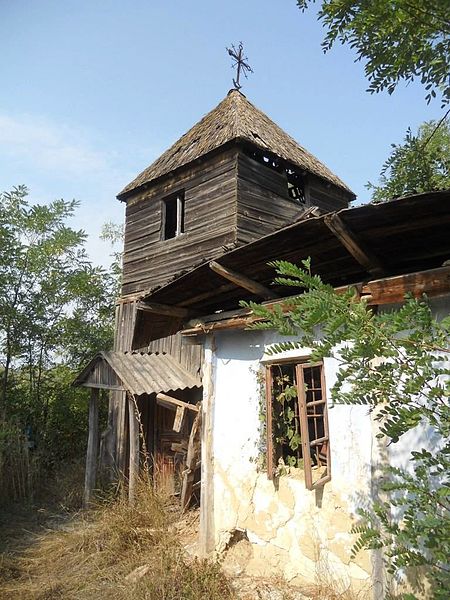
307, 443
180, 214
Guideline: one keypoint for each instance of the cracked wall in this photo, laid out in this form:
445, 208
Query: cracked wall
298, 534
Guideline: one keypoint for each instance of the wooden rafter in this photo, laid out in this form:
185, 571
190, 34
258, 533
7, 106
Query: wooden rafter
226, 287
242, 281
164, 309
354, 245
388, 290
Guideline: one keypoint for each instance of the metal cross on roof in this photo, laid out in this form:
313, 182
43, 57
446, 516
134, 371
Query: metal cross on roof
239, 61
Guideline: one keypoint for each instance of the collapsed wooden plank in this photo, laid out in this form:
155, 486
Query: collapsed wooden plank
179, 418
353, 244
192, 460
174, 403
181, 446
242, 281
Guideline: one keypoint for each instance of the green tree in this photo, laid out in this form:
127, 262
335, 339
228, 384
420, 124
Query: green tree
397, 363
399, 40
420, 164
56, 310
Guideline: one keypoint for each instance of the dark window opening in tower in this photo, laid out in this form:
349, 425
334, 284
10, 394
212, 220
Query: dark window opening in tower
173, 216
294, 180
296, 186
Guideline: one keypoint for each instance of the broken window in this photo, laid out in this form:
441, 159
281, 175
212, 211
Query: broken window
294, 179
173, 216
297, 421
296, 186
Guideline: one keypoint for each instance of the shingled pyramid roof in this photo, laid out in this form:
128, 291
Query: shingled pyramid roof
235, 118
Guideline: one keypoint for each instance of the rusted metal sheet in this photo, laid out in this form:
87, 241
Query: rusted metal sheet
138, 373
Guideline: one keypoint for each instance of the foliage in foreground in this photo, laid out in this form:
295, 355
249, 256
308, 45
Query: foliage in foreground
420, 164
397, 363
92, 556
56, 310
399, 40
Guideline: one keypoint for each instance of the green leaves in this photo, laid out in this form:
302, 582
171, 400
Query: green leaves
398, 41
397, 363
56, 310
420, 164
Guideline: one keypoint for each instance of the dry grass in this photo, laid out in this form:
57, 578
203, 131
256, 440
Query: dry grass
91, 556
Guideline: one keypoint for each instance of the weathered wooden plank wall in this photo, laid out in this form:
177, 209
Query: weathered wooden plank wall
117, 411
102, 376
326, 196
210, 223
189, 356
263, 202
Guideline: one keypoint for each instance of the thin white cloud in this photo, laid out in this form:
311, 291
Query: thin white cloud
49, 146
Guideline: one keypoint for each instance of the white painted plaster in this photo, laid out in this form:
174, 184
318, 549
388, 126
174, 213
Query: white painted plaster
290, 520
293, 531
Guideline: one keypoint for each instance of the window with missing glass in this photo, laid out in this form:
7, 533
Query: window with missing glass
173, 215
297, 421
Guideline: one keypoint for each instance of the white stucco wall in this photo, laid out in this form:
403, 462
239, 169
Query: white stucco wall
297, 533
300, 534
421, 436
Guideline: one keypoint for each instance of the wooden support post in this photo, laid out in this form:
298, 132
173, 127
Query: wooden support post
242, 281
92, 448
133, 474
207, 534
356, 248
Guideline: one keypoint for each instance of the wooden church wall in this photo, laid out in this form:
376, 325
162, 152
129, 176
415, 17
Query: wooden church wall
210, 224
190, 356
263, 202
327, 196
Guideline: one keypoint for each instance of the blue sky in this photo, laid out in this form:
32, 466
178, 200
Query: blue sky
92, 91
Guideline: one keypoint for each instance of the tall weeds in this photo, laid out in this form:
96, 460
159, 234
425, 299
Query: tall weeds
18, 469
94, 555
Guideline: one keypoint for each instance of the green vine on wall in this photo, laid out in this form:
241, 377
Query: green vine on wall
285, 420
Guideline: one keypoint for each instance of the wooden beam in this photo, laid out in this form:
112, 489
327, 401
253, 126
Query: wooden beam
227, 287
389, 290
242, 281
133, 473
354, 245
104, 386
174, 403
164, 309
206, 536
92, 448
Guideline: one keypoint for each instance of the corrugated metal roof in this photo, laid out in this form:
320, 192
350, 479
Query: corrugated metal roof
142, 373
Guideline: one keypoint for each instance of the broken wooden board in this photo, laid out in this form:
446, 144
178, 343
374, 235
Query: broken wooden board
179, 418
174, 403
192, 461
